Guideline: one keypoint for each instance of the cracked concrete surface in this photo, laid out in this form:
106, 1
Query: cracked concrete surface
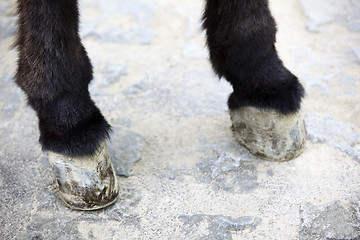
182, 174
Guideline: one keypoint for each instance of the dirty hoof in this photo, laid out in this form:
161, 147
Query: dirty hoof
85, 183
268, 134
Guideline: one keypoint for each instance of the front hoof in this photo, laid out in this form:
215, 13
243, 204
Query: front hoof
269, 134
85, 183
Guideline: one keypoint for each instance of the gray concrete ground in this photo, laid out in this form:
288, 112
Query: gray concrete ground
154, 84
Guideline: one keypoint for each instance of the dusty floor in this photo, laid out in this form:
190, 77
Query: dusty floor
154, 84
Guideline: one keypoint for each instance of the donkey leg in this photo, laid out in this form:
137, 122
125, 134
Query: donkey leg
54, 71
266, 101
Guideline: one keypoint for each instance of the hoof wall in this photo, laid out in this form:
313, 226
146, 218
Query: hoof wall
85, 183
269, 134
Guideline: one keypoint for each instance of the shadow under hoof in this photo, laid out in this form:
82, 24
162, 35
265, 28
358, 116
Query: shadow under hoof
85, 183
269, 134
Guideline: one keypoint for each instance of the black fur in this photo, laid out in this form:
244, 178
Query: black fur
241, 37
54, 71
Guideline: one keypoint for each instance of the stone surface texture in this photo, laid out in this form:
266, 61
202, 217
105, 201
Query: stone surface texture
182, 174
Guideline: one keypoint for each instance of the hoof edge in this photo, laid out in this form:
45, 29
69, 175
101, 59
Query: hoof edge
85, 183
269, 134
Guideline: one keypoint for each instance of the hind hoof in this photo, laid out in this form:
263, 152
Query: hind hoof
85, 183
269, 134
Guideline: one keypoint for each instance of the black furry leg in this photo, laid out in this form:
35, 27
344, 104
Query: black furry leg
54, 71
241, 37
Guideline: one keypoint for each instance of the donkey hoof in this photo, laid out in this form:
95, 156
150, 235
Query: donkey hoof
85, 183
269, 134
